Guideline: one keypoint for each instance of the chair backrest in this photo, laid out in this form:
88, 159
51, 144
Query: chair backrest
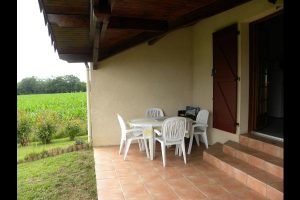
122, 125
202, 116
154, 112
191, 112
173, 129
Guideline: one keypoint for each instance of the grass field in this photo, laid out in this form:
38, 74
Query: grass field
66, 176
66, 105
36, 147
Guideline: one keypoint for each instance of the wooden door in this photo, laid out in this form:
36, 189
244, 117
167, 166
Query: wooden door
225, 79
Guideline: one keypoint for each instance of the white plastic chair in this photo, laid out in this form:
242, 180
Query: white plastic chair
127, 135
199, 128
172, 133
154, 112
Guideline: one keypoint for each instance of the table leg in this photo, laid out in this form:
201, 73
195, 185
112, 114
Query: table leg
151, 141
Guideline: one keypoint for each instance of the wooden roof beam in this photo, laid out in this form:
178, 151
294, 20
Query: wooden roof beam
96, 44
80, 21
203, 12
100, 25
93, 21
102, 11
118, 22
198, 14
95, 31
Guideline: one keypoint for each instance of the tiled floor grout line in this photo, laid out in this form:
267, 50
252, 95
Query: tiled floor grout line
120, 185
173, 190
196, 187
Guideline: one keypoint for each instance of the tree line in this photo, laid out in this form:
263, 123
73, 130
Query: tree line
60, 84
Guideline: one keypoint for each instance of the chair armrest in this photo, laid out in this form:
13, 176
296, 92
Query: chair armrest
200, 125
157, 132
134, 130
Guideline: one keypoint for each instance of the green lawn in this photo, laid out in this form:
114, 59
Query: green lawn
66, 176
36, 147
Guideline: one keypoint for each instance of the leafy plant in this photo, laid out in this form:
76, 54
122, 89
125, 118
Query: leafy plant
23, 128
46, 127
73, 129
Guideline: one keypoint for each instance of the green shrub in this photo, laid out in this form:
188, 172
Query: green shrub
73, 129
46, 127
23, 128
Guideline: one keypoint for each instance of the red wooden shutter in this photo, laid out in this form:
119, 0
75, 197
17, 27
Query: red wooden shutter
225, 79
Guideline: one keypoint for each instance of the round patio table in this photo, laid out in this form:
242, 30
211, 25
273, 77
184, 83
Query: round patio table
148, 124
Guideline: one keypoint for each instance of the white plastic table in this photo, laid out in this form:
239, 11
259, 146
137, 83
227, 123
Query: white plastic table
149, 124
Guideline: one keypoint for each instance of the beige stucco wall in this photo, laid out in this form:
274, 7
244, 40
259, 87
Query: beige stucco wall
203, 60
138, 78
172, 73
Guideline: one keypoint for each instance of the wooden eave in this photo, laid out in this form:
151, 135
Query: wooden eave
93, 30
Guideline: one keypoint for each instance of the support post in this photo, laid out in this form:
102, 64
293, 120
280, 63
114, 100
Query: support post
88, 90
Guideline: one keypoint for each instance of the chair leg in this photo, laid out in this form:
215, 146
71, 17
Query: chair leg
183, 151
204, 137
121, 146
140, 145
197, 140
176, 150
154, 146
128, 142
146, 146
190, 144
180, 150
163, 152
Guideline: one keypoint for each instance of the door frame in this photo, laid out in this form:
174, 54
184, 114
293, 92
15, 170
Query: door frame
254, 70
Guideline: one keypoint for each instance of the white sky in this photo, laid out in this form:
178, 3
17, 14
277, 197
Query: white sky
35, 54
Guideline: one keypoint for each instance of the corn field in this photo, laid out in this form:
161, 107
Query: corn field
63, 107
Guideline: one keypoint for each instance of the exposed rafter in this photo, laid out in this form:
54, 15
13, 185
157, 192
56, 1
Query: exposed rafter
137, 23
96, 44
102, 11
99, 25
116, 22
127, 24
80, 21
203, 12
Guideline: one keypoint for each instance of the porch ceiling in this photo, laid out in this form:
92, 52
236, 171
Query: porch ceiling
93, 30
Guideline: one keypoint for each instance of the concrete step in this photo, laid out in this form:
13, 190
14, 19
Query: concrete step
268, 146
266, 162
264, 183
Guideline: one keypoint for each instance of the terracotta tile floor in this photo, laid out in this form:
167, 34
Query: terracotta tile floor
142, 179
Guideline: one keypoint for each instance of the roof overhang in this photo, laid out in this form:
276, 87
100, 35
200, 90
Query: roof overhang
93, 30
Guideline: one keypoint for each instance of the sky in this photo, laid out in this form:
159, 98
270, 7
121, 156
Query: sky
35, 53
